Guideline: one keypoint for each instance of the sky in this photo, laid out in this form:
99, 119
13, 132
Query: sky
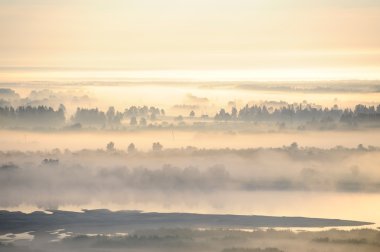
213, 39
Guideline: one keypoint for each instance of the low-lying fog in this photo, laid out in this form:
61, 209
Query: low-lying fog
207, 97
77, 140
275, 149
260, 181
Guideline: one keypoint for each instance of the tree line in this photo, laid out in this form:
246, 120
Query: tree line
47, 117
301, 113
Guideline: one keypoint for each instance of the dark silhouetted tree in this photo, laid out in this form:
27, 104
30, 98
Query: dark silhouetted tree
157, 147
110, 146
131, 148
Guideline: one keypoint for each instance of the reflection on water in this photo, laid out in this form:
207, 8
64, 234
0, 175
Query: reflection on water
10, 237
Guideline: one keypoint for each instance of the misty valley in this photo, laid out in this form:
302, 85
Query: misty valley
232, 167
189, 125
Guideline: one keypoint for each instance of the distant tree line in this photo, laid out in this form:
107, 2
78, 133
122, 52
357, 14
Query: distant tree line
47, 117
301, 113
28, 116
144, 111
113, 118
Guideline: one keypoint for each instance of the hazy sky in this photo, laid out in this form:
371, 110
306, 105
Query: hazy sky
338, 38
